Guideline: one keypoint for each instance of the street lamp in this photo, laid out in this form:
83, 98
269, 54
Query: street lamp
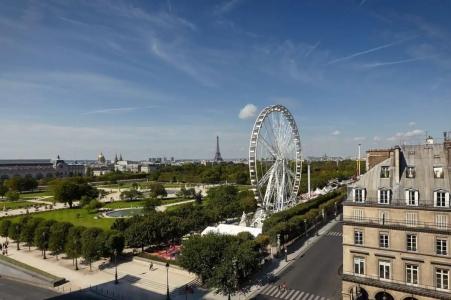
43, 243
18, 236
286, 254
305, 227
115, 267
167, 281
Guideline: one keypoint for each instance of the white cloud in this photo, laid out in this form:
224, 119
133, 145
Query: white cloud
248, 111
411, 124
359, 138
111, 110
415, 132
376, 138
336, 132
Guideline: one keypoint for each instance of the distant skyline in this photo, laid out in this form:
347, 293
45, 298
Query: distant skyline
164, 78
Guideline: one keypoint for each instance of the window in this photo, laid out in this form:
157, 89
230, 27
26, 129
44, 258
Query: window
385, 172
358, 237
359, 195
384, 269
410, 172
411, 274
441, 246
383, 240
442, 278
358, 214
359, 265
383, 217
383, 196
411, 197
411, 242
411, 218
441, 221
441, 199
438, 172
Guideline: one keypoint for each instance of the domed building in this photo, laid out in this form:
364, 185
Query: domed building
101, 159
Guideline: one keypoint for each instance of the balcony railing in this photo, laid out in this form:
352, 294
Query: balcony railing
421, 204
413, 224
397, 285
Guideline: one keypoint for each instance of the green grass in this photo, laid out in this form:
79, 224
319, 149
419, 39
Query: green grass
37, 194
76, 216
16, 204
27, 267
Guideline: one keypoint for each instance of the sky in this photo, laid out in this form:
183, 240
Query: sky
164, 78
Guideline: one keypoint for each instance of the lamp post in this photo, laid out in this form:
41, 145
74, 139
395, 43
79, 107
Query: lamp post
286, 254
18, 236
167, 281
305, 227
43, 243
115, 267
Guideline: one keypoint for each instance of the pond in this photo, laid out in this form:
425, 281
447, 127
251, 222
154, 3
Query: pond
124, 213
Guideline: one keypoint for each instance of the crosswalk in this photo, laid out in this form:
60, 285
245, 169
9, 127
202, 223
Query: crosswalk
274, 291
334, 233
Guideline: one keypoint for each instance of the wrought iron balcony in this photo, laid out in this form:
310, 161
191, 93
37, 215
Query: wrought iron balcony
399, 224
397, 203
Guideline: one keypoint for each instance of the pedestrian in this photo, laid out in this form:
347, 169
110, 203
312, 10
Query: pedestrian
151, 266
285, 286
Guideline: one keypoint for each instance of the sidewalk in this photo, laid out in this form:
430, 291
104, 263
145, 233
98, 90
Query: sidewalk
134, 276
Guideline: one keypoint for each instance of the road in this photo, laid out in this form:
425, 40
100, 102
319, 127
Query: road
315, 275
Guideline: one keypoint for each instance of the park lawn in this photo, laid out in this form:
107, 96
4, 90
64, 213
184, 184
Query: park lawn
17, 204
36, 194
76, 216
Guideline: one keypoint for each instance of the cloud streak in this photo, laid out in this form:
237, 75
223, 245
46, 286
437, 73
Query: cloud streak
248, 111
116, 110
360, 53
397, 62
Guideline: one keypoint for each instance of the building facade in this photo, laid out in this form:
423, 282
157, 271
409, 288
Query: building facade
39, 168
396, 225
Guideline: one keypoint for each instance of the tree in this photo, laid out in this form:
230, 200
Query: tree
3, 189
14, 233
28, 183
198, 197
13, 184
89, 247
58, 236
28, 229
73, 243
94, 204
224, 262
134, 235
66, 192
12, 195
120, 224
131, 195
116, 242
4, 227
42, 236
157, 190
150, 205
247, 200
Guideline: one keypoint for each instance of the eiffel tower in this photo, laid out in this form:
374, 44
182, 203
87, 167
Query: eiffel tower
218, 157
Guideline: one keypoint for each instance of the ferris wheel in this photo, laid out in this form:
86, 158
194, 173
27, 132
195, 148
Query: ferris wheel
275, 159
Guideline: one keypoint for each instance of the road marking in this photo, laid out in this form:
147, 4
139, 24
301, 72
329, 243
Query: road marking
268, 289
306, 296
296, 292
323, 298
274, 291
300, 295
289, 294
311, 297
317, 298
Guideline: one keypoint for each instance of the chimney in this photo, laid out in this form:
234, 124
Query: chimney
397, 165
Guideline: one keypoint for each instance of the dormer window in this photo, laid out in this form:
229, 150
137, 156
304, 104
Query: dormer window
383, 196
410, 172
411, 197
385, 172
441, 198
359, 195
438, 172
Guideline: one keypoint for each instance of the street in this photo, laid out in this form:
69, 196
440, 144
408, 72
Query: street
313, 276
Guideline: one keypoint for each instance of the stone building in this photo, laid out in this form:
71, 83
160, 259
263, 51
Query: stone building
39, 168
396, 230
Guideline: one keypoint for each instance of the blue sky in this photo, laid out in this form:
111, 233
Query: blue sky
151, 78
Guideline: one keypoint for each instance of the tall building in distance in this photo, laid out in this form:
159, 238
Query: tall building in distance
217, 157
396, 230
